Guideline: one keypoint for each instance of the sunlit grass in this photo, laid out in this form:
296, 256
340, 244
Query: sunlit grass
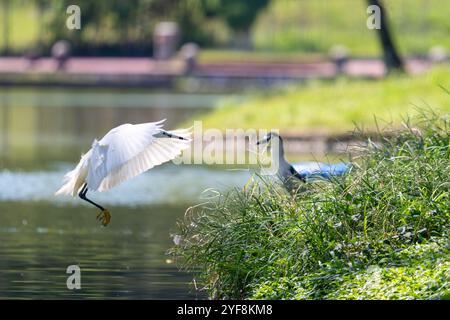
335, 107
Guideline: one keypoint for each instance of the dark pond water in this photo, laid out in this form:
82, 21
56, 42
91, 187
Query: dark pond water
42, 134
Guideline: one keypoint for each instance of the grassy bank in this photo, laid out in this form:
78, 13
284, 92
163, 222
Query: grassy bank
380, 232
334, 107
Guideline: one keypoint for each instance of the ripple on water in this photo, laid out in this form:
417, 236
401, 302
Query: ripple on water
166, 184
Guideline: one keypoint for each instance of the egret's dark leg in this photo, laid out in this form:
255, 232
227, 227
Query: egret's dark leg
82, 195
104, 216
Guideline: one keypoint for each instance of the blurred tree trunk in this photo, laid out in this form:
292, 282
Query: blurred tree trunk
242, 40
392, 59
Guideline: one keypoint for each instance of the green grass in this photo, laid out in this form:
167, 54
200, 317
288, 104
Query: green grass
421, 271
315, 26
334, 107
23, 26
380, 232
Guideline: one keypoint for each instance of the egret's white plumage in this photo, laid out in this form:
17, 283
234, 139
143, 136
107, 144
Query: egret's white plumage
123, 153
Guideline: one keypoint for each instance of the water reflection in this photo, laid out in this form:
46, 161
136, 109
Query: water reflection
39, 125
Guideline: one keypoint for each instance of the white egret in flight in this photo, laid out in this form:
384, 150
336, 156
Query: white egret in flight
123, 153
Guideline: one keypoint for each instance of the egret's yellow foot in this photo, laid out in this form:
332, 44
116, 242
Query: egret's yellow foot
104, 217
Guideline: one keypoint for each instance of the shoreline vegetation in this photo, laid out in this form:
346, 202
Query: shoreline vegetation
379, 232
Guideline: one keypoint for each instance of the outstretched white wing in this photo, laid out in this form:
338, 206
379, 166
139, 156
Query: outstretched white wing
129, 150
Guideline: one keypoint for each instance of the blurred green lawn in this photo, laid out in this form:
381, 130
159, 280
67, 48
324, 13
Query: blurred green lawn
315, 26
335, 107
23, 26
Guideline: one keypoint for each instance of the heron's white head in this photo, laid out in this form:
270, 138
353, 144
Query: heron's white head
273, 141
269, 138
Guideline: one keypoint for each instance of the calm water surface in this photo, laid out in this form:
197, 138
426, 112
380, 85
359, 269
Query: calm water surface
42, 134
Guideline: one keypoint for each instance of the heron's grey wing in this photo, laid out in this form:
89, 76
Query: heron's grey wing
320, 169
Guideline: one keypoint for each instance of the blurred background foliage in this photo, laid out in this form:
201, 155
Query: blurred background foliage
125, 27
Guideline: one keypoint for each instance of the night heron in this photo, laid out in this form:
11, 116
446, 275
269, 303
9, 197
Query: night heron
291, 174
123, 153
